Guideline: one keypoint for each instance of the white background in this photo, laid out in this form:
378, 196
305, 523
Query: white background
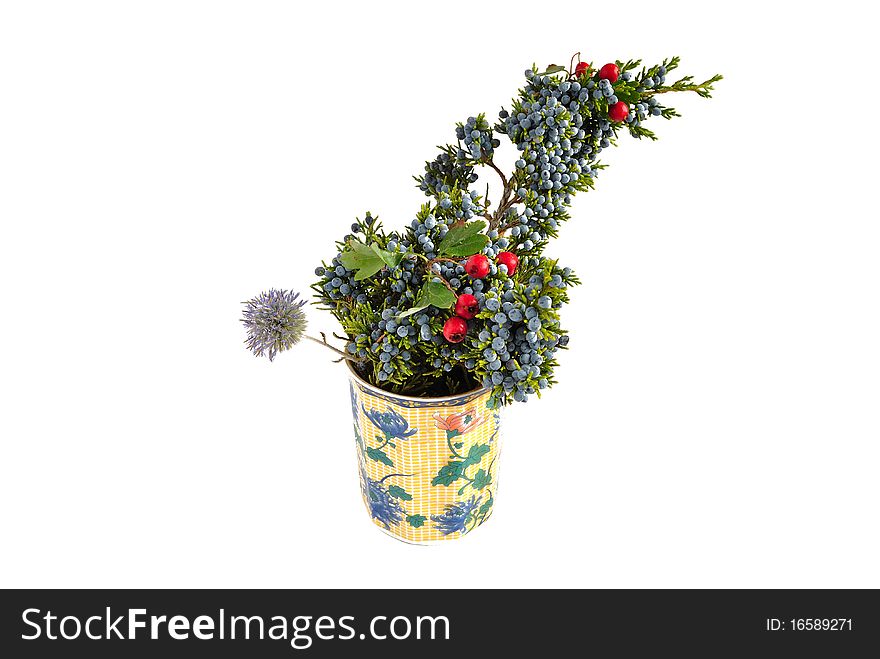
717, 419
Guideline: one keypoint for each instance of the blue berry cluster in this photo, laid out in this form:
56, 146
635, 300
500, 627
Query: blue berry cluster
445, 172
476, 134
454, 165
430, 225
560, 131
512, 341
514, 351
560, 125
388, 356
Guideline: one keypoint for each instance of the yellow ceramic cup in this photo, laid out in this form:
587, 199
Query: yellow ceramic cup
428, 466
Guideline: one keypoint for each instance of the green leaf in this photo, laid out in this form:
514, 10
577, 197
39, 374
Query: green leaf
437, 295
399, 492
432, 294
410, 312
475, 454
627, 92
553, 68
448, 474
485, 507
367, 260
362, 259
379, 456
458, 444
468, 246
464, 239
481, 479
416, 520
391, 259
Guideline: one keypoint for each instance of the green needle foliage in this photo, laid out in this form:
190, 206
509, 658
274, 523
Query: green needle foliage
393, 291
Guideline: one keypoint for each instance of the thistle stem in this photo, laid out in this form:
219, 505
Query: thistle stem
342, 354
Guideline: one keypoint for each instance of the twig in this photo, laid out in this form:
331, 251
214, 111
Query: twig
703, 89
324, 343
437, 259
571, 63
508, 198
500, 173
444, 282
431, 273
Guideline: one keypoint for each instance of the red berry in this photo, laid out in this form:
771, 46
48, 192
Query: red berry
455, 329
618, 112
467, 306
509, 259
611, 72
477, 266
581, 68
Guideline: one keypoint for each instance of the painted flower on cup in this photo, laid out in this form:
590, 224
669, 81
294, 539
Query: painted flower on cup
457, 516
391, 423
459, 424
384, 507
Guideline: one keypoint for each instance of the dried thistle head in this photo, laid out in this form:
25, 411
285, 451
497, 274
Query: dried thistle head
275, 321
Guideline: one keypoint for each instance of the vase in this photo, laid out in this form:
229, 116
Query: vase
428, 466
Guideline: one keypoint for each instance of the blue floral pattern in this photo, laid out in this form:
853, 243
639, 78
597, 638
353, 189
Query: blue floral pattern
383, 507
420, 491
457, 516
391, 423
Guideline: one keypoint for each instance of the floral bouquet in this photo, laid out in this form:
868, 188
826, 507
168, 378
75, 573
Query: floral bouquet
465, 297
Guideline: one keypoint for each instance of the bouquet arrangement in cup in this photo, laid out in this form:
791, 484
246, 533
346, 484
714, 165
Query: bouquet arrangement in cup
465, 295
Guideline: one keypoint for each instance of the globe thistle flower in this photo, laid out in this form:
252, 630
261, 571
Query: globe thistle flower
274, 321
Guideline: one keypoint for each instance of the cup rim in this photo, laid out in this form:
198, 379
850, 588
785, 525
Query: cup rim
473, 393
